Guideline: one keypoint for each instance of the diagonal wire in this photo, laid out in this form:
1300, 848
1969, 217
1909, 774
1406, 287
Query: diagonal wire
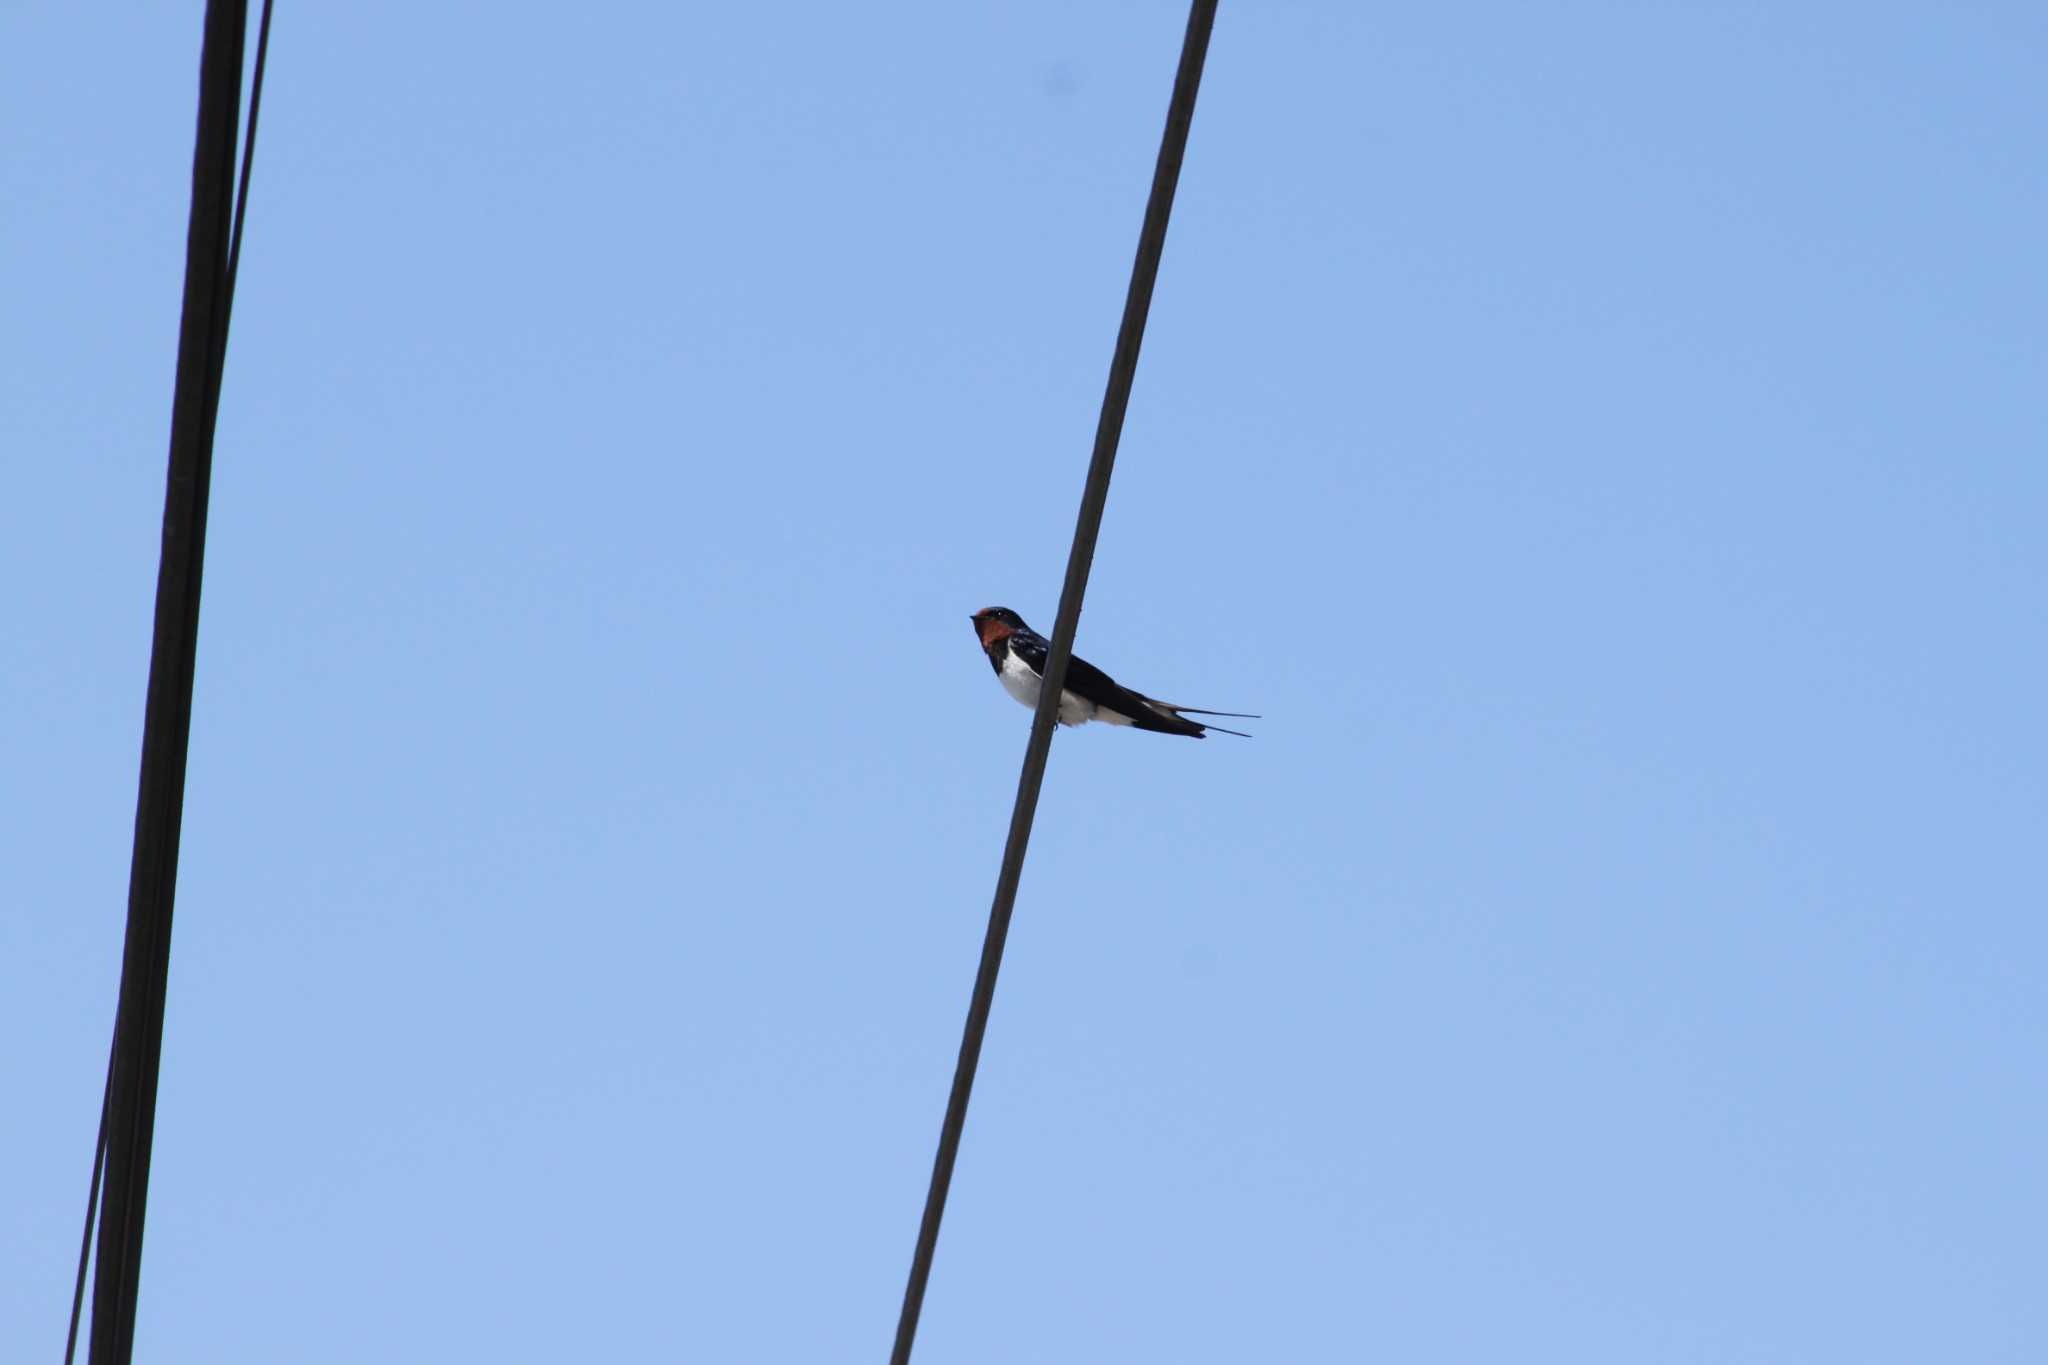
92, 1197
128, 1102
227, 302
1109, 430
92, 1208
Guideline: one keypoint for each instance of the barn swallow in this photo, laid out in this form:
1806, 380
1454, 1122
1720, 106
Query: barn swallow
1018, 654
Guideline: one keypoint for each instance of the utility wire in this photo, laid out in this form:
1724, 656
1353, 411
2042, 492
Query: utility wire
1108, 431
92, 1208
212, 254
99, 1155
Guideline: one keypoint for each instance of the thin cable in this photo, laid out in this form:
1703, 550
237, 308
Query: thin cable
212, 250
92, 1208
227, 303
1108, 431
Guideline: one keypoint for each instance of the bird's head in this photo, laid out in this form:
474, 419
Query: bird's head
993, 623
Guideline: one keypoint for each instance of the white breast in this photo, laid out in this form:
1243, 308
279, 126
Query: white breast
1020, 682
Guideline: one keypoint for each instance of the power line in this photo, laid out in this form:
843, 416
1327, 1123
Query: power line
1123, 368
92, 1208
212, 254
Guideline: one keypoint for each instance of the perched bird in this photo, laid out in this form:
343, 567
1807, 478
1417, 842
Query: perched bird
1018, 654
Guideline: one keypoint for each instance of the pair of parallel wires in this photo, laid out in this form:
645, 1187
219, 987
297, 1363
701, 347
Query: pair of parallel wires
213, 252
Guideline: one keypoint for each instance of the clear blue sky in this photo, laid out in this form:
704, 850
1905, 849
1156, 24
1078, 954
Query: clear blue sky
1608, 442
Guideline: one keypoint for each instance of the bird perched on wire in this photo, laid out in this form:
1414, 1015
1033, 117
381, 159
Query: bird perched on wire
1018, 654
